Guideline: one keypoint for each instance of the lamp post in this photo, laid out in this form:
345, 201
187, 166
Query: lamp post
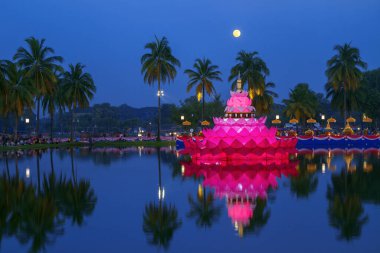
322, 119
27, 124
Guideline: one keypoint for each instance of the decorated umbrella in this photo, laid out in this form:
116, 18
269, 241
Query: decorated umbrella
311, 121
205, 123
186, 123
293, 121
350, 120
367, 119
331, 120
276, 121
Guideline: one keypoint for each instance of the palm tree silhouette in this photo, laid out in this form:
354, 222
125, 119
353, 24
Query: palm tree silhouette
160, 221
346, 212
203, 208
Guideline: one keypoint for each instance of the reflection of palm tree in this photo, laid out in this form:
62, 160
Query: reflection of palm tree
203, 209
160, 223
79, 199
41, 224
160, 220
304, 183
260, 217
346, 212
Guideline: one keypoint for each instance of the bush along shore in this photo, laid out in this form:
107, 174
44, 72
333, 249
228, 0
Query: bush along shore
116, 144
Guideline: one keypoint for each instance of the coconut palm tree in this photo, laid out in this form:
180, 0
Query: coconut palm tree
252, 70
159, 65
20, 91
4, 91
201, 77
264, 100
302, 102
79, 89
344, 70
40, 63
353, 98
53, 101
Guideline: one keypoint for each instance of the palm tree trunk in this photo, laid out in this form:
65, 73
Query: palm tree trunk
72, 126
51, 126
203, 102
38, 117
344, 105
38, 172
159, 175
51, 161
159, 111
16, 126
72, 166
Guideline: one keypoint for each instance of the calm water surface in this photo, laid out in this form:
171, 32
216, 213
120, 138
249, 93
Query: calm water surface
141, 200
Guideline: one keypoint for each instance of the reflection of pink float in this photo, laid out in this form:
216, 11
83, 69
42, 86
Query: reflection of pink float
239, 135
241, 183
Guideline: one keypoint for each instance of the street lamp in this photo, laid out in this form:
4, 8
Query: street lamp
182, 117
161, 193
27, 120
160, 93
322, 117
277, 116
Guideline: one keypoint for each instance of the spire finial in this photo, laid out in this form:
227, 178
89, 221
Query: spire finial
238, 83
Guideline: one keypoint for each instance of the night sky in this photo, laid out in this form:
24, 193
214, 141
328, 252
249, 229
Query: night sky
294, 37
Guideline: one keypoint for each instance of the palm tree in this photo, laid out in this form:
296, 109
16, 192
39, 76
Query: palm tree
79, 89
203, 209
20, 91
4, 91
253, 71
344, 70
353, 98
159, 65
302, 102
40, 65
201, 78
53, 101
264, 100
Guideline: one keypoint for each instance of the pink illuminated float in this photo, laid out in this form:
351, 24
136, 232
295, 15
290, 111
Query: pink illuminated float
240, 158
239, 135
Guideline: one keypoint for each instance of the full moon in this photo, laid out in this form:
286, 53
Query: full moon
236, 33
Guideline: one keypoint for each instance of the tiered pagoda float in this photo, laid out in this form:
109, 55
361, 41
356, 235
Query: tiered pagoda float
239, 135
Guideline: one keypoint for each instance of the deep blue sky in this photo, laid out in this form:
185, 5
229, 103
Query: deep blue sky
294, 37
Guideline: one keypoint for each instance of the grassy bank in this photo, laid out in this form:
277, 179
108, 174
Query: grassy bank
117, 144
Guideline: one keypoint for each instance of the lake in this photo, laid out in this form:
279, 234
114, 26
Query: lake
149, 200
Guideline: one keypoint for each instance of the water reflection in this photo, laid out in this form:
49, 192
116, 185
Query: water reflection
160, 220
38, 207
244, 184
35, 215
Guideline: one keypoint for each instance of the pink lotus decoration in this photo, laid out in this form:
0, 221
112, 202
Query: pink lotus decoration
239, 135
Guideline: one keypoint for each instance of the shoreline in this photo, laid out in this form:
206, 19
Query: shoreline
115, 144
